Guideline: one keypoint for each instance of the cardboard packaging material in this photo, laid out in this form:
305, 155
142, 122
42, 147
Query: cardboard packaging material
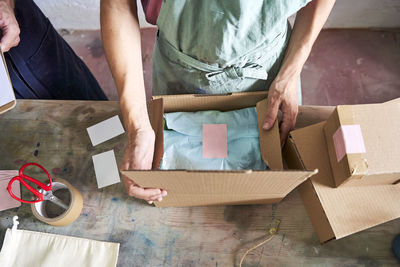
199, 188
337, 212
363, 145
7, 97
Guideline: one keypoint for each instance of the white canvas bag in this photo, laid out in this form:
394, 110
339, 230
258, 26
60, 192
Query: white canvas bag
24, 248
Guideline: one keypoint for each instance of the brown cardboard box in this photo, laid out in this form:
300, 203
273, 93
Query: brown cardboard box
337, 212
199, 188
369, 134
6, 90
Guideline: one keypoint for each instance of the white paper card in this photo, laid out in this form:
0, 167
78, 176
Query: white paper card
6, 90
106, 169
105, 130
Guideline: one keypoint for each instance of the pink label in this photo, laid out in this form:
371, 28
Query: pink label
348, 139
215, 141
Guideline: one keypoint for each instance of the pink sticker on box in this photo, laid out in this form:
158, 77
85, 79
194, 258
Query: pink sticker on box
348, 139
215, 141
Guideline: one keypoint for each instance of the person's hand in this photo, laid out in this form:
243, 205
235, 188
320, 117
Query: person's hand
282, 96
9, 28
139, 156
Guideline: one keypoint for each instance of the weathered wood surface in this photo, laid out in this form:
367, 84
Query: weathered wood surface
53, 133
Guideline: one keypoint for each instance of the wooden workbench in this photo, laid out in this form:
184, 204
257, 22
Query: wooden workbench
53, 133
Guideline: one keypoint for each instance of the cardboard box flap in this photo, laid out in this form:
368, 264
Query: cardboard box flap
347, 209
223, 102
7, 96
238, 185
368, 141
308, 194
316, 212
198, 200
155, 110
269, 140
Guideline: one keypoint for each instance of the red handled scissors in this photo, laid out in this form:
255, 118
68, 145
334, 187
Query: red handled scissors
45, 191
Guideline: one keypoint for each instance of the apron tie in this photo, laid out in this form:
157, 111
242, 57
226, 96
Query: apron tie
213, 72
254, 71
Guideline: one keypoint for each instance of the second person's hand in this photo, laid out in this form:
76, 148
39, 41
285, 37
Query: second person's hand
139, 156
9, 28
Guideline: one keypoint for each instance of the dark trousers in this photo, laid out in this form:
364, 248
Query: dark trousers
43, 65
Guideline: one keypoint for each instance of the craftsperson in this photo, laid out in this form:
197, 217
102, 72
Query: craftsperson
40, 63
208, 47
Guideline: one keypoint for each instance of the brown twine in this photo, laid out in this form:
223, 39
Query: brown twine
272, 231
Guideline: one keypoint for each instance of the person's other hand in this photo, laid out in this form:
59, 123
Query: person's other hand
282, 96
9, 28
139, 156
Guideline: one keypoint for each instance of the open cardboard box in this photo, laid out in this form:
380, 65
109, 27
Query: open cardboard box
7, 97
334, 212
337, 212
363, 144
199, 188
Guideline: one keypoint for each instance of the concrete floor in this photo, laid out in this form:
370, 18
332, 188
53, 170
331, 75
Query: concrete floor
345, 66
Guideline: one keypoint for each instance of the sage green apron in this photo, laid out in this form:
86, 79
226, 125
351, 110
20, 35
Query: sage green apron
220, 46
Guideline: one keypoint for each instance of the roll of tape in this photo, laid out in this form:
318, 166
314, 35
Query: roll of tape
68, 216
